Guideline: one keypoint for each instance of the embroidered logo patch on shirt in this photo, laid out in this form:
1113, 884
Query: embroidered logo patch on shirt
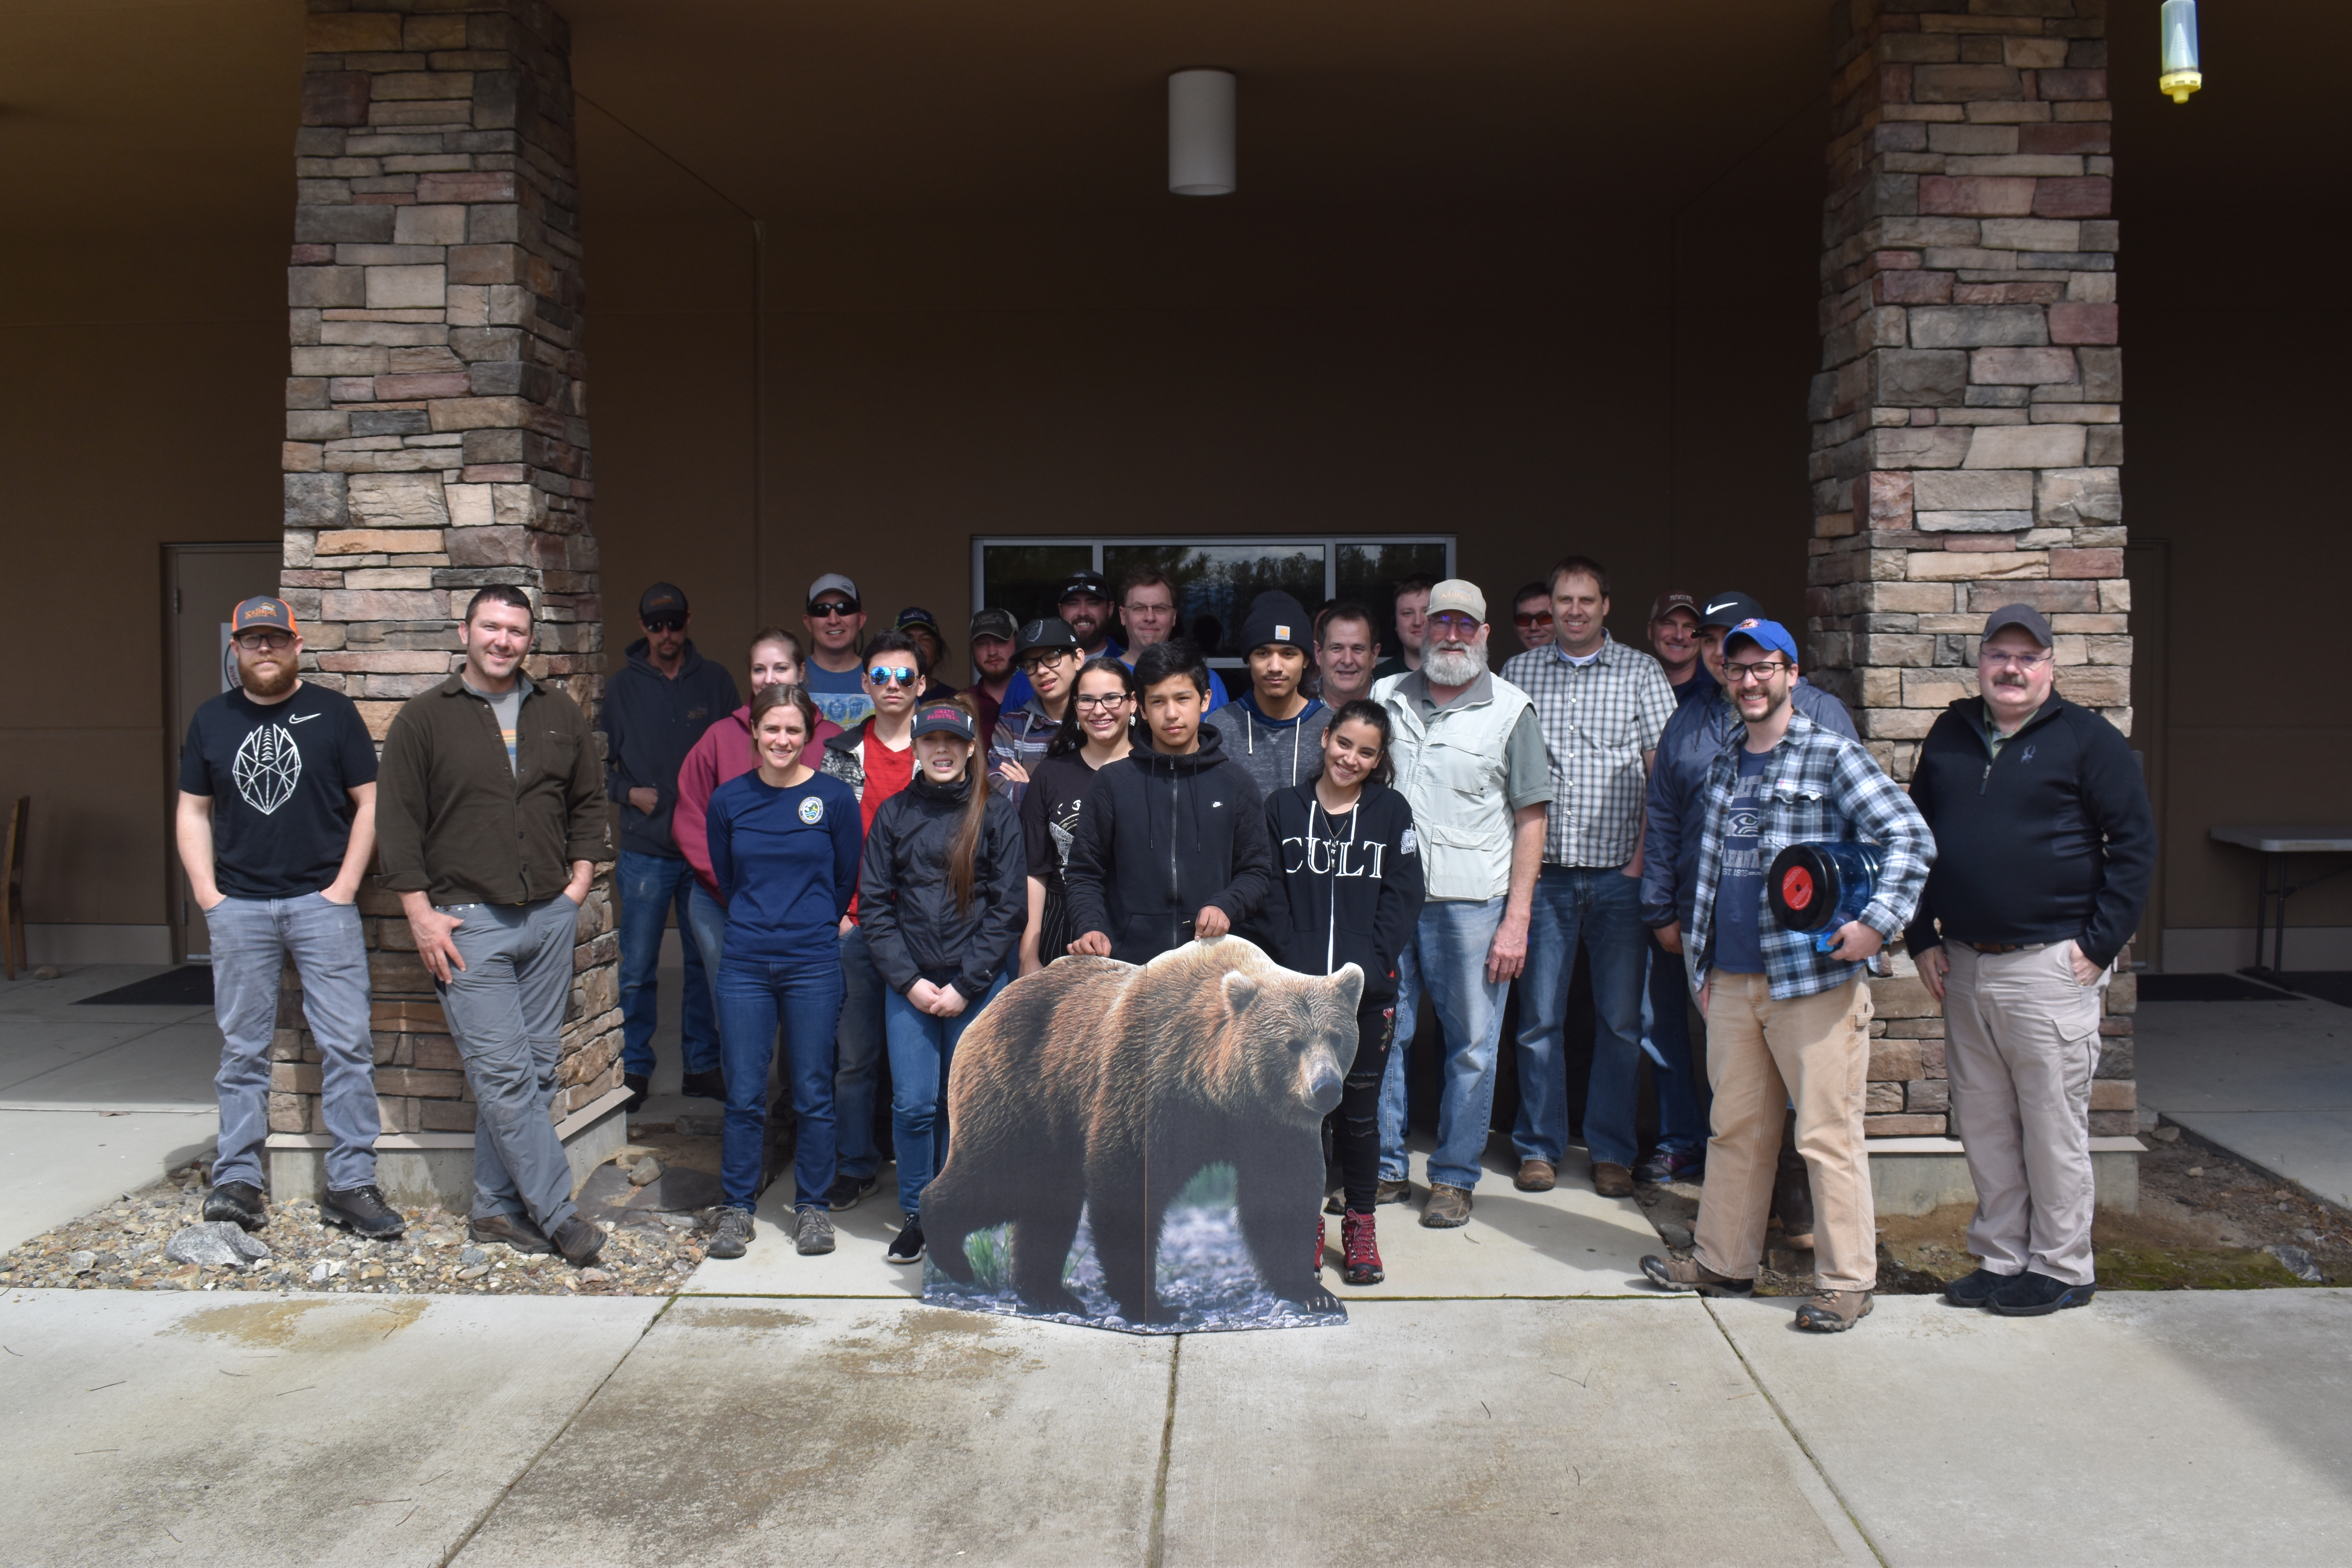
812, 810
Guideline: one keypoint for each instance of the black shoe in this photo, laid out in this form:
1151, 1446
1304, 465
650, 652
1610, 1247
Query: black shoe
703, 1085
1974, 1289
363, 1211
510, 1228
2032, 1295
812, 1232
1336, 1201
640, 1088
239, 1203
731, 1235
908, 1247
846, 1191
1664, 1166
578, 1241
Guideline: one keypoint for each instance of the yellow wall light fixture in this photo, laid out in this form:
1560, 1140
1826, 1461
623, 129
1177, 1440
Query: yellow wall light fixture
2178, 24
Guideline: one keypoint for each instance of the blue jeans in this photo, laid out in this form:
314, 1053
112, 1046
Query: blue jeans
252, 940
860, 1058
650, 885
754, 995
922, 1050
706, 926
1602, 908
1665, 1035
1448, 955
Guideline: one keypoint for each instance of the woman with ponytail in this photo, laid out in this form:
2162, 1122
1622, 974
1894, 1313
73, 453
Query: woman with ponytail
942, 896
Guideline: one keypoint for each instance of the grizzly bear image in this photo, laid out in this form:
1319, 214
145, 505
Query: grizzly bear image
1106, 1086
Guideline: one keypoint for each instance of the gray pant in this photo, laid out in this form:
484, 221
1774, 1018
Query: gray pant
506, 1012
251, 941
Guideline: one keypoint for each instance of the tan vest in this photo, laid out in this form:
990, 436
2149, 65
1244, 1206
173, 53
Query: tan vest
1449, 766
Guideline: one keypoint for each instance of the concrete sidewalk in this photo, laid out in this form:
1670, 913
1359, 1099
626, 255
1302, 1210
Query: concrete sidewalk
2269, 1081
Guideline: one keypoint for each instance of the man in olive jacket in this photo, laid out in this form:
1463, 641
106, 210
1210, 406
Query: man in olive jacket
491, 818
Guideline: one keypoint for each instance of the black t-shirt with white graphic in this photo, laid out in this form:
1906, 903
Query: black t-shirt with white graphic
281, 776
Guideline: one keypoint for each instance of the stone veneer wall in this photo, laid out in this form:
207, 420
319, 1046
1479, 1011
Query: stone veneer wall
1968, 439
436, 441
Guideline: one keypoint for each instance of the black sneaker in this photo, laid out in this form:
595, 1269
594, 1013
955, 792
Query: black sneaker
846, 1191
512, 1229
239, 1203
579, 1241
733, 1235
908, 1247
1975, 1288
1665, 1166
640, 1088
363, 1211
2032, 1295
703, 1085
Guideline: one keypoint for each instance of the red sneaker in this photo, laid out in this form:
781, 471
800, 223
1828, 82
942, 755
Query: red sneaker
1364, 1250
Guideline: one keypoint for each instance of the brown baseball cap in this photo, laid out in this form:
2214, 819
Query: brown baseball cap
1667, 604
260, 611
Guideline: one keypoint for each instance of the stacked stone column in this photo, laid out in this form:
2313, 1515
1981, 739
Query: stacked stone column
437, 440
1968, 436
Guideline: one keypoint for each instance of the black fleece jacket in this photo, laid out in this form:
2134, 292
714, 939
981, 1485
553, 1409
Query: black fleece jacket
1162, 838
2051, 841
1350, 888
907, 906
650, 722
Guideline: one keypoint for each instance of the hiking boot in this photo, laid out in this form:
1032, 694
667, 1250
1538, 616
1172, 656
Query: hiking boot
1690, 1274
1665, 1166
1974, 1289
731, 1237
1833, 1311
845, 1192
1536, 1176
363, 1211
908, 1247
1611, 1180
811, 1231
239, 1203
703, 1085
1362, 1249
579, 1241
640, 1088
1336, 1201
2032, 1295
510, 1228
1448, 1206
1396, 1192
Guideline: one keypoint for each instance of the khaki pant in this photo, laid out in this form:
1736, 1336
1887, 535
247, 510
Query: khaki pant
1761, 1054
2023, 1046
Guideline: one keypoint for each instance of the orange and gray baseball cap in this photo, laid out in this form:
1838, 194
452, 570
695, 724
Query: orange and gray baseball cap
260, 611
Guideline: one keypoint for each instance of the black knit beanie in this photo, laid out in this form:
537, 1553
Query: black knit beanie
1276, 617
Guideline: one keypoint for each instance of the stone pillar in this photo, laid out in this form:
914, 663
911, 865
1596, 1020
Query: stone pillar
1968, 436
436, 441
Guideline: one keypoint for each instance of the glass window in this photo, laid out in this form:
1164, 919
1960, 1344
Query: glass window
1215, 583
1026, 578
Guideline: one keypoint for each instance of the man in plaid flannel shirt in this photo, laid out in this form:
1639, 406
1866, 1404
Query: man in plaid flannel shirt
1782, 1018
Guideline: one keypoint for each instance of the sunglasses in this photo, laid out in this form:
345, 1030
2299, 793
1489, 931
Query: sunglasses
667, 624
1540, 618
882, 675
832, 609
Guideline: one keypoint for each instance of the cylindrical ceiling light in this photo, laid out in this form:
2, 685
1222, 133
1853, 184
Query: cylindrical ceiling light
1201, 132
2182, 76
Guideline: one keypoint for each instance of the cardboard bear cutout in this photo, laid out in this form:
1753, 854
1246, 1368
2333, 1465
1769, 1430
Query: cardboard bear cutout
1139, 1147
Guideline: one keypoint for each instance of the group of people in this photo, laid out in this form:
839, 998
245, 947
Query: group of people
863, 858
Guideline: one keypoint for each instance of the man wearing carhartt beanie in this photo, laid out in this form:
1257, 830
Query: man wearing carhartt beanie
1274, 729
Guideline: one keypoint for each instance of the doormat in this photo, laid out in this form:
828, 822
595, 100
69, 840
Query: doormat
190, 986
2208, 988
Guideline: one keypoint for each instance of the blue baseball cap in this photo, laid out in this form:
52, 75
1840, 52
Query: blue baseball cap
1771, 636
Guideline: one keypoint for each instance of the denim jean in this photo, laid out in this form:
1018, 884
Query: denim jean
922, 1050
1600, 907
252, 940
860, 1053
506, 1012
706, 926
754, 997
1448, 956
650, 885
1665, 1035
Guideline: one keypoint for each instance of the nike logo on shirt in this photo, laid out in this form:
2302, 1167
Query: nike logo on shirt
301, 718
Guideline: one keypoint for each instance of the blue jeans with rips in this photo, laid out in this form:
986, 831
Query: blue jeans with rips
1601, 908
650, 885
922, 1051
754, 997
1448, 956
859, 1052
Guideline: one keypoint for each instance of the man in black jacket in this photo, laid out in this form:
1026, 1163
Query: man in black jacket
656, 709
1172, 845
2044, 847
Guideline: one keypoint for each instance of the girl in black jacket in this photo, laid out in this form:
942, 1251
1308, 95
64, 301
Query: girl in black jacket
942, 895
1349, 892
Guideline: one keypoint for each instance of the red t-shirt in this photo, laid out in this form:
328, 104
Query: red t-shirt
887, 772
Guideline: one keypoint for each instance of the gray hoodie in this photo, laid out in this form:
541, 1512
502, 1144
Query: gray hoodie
1275, 752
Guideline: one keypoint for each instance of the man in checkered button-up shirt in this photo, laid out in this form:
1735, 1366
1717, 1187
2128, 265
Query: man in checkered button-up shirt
1601, 707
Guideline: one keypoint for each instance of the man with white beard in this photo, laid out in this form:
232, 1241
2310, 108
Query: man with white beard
1469, 757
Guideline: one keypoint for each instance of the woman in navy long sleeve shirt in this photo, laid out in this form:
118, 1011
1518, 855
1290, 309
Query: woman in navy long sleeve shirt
784, 842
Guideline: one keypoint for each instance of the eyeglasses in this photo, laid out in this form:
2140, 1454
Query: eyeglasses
1993, 658
1035, 662
1459, 625
882, 675
1526, 623
1116, 700
832, 609
1739, 674
667, 624
273, 642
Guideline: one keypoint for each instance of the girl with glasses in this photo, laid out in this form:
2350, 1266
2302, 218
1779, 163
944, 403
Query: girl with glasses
1095, 731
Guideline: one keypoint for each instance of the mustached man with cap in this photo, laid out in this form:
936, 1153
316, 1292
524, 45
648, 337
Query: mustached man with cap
992, 632
656, 708
2048, 845
834, 620
1783, 1018
1673, 638
1274, 730
1082, 604
276, 828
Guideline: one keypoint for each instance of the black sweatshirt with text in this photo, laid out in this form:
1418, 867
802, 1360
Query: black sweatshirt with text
1349, 888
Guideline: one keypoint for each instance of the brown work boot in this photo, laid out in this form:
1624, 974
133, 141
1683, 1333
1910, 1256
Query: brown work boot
1690, 1274
1535, 1176
1448, 1207
1611, 1180
1833, 1311
1396, 1192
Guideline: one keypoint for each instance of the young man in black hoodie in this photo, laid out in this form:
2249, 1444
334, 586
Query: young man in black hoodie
1172, 845
2045, 846
656, 709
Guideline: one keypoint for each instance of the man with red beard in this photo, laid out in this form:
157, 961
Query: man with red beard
276, 827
